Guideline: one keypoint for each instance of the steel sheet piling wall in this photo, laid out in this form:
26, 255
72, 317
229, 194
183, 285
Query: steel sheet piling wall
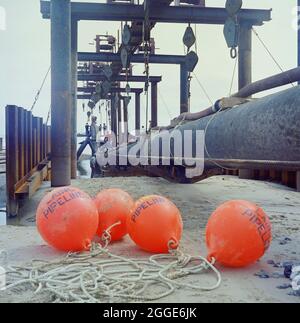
61, 92
27, 145
12, 158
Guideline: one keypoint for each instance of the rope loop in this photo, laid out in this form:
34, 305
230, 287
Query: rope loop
106, 236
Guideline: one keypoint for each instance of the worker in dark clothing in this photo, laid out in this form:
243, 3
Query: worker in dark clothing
93, 133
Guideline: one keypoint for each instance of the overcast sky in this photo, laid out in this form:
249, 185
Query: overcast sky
25, 56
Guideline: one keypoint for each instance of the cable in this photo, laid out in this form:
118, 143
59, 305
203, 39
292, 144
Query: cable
40, 90
203, 89
269, 52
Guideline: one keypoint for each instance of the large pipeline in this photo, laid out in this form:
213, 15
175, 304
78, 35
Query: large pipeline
281, 79
261, 134
266, 129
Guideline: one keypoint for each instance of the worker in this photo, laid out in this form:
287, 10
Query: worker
93, 133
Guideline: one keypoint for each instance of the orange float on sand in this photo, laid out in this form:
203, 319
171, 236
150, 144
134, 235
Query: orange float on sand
154, 223
114, 206
67, 219
238, 233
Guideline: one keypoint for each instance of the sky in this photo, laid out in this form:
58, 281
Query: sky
25, 56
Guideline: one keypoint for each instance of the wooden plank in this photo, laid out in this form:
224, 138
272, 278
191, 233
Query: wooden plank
34, 182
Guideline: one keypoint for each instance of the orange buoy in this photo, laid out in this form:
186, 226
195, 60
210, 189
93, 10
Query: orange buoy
238, 233
114, 206
155, 223
67, 219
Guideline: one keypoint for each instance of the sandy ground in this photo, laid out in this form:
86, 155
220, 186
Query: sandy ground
196, 202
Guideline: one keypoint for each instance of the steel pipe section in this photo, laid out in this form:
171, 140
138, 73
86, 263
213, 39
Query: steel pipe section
266, 129
261, 134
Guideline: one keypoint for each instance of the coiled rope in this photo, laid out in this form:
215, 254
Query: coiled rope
100, 276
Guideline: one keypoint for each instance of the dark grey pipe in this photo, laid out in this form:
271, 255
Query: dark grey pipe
264, 129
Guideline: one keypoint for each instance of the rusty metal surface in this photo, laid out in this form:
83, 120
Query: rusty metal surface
264, 129
27, 145
61, 99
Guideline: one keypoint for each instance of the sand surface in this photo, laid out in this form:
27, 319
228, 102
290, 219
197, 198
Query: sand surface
196, 202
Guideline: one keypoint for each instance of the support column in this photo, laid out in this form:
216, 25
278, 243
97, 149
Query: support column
137, 111
125, 108
113, 116
153, 104
61, 92
298, 181
245, 74
125, 114
245, 56
184, 91
74, 50
119, 122
298, 35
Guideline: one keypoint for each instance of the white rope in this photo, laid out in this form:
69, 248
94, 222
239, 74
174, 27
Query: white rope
100, 276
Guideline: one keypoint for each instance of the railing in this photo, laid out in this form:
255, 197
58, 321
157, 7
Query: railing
27, 155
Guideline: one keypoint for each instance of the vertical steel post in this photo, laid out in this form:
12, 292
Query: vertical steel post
184, 91
113, 116
61, 92
137, 111
125, 109
119, 118
245, 55
154, 104
298, 13
74, 59
298, 40
245, 73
